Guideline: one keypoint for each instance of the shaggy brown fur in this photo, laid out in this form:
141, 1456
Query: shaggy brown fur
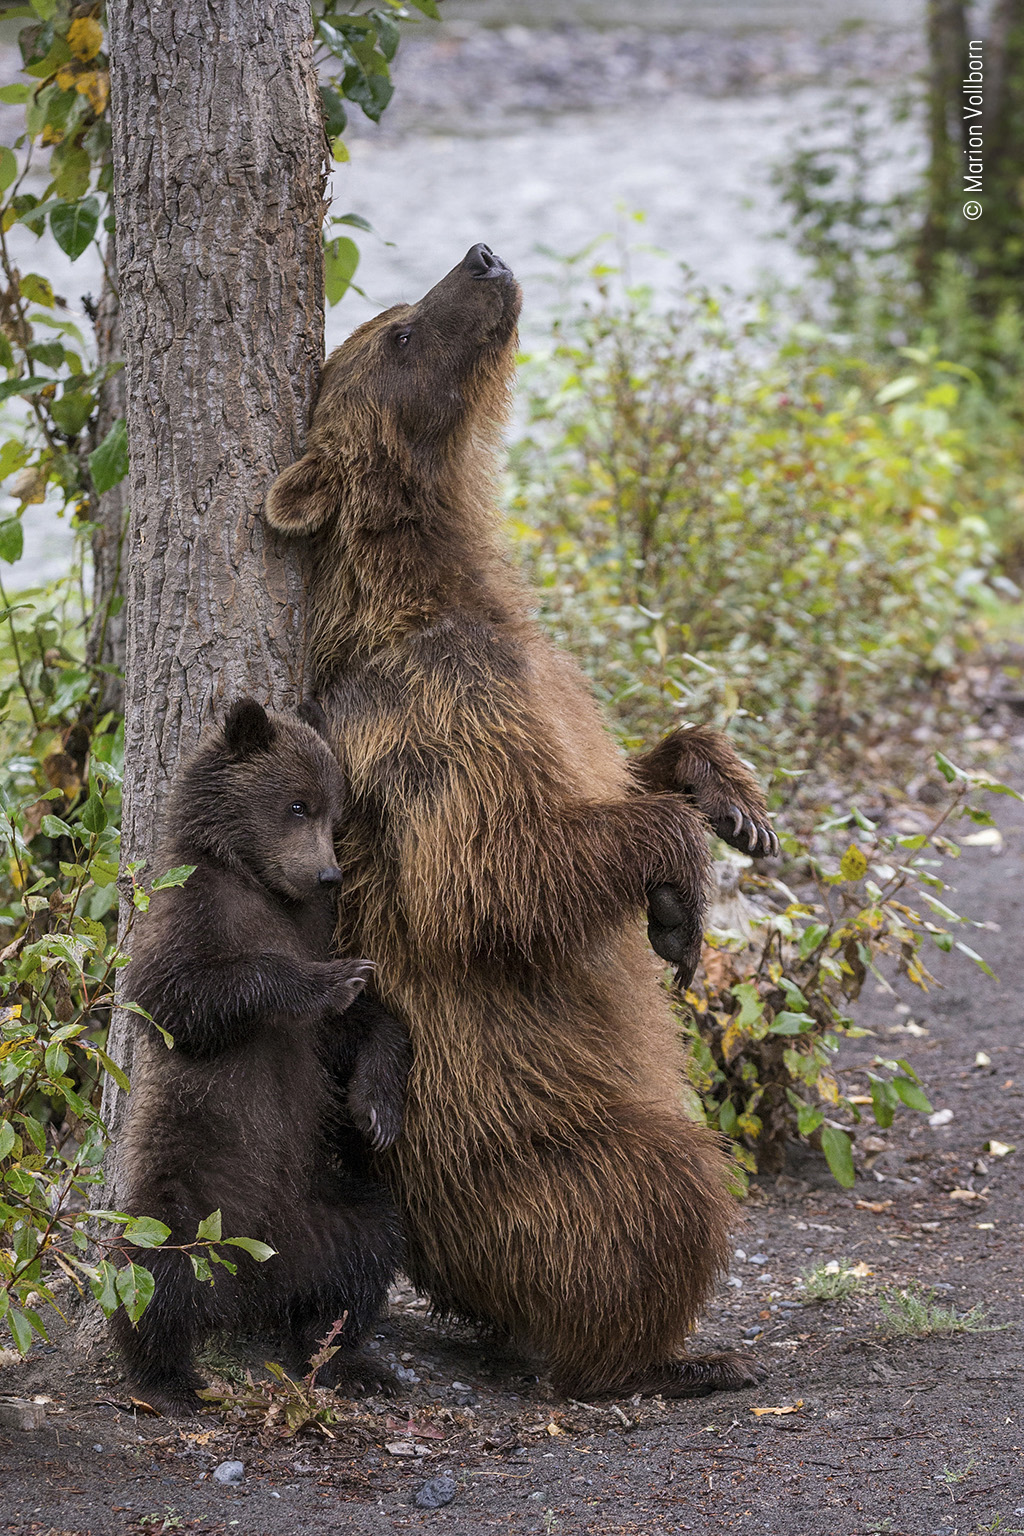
236, 965
496, 859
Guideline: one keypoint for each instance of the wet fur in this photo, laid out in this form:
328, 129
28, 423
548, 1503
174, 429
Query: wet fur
247, 1112
497, 857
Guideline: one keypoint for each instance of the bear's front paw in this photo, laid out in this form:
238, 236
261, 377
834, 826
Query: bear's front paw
347, 980
377, 1118
749, 833
675, 930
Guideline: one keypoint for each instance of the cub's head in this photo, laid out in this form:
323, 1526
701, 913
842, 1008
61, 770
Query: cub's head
264, 792
404, 394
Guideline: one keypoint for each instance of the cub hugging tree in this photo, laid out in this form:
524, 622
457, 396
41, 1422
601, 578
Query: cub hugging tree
496, 857
278, 1063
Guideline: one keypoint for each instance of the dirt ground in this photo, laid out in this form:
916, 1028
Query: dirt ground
913, 1435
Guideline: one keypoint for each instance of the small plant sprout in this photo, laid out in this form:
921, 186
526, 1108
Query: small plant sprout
835, 1281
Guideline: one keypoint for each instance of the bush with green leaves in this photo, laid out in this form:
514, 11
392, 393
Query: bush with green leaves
771, 1007
745, 528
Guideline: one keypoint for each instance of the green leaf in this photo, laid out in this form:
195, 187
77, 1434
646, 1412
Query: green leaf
811, 937
103, 1285
341, 258
978, 960
787, 1023
108, 463
52, 826
428, 7
948, 770
21, 1330
808, 1118
209, 1228
44, 9
261, 1252
72, 410
37, 290
883, 1101
838, 1152
201, 1267
912, 1096
12, 540
7, 1138
388, 35
727, 1117
93, 816
8, 167
74, 225
173, 877
71, 169
146, 1232
135, 1287
110, 1065
15, 95
895, 389
335, 116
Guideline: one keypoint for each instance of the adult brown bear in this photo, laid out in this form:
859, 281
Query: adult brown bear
496, 857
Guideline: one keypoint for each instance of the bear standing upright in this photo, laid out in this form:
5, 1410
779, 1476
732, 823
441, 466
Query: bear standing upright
236, 966
496, 857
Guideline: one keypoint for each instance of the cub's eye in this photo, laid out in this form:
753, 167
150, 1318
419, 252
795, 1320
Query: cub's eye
402, 338
299, 808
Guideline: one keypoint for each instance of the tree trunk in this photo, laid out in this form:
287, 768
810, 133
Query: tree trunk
218, 150
105, 644
997, 237
947, 64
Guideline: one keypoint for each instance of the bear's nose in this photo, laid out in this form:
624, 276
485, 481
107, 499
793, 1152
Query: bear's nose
329, 876
480, 261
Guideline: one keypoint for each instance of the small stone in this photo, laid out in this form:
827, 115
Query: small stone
22, 1413
758, 1258
460, 1386
229, 1473
98, 1448
400, 1448
940, 1117
406, 1374
437, 1493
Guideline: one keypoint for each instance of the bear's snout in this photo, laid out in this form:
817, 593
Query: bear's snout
480, 261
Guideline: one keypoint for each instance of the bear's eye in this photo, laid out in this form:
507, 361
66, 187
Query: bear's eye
402, 338
299, 808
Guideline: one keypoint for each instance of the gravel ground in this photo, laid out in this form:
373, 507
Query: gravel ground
878, 1433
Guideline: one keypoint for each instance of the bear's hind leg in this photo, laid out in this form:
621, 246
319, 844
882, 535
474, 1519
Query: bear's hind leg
341, 1267
159, 1350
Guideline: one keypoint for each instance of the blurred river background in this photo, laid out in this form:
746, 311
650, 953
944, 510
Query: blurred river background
540, 125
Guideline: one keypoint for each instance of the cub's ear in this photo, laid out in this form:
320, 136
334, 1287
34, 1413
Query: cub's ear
302, 497
248, 728
312, 714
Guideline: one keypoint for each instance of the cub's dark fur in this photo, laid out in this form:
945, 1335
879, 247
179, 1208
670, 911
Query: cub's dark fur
498, 854
240, 1115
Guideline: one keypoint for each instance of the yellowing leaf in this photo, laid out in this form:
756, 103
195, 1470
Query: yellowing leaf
732, 1041
794, 1408
553, 1429
854, 865
999, 1148
95, 86
828, 1087
85, 37
66, 76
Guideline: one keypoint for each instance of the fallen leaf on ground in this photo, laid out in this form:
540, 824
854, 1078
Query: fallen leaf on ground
967, 1194
553, 1429
878, 1206
410, 1427
988, 837
999, 1148
860, 1098
794, 1409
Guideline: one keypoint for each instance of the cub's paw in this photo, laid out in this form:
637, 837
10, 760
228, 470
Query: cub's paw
675, 930
347, 980
751, 834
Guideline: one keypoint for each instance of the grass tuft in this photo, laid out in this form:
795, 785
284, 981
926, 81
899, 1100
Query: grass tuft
914, 1311
834, 1281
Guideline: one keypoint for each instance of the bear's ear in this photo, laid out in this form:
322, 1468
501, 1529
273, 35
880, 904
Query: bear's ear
302, 497
248, 728
311, 713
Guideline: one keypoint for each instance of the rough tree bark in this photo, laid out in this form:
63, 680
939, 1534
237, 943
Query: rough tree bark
219, 152
947, 64
105, 644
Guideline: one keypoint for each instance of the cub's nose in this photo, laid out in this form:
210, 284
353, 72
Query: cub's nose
480, 261
329, 876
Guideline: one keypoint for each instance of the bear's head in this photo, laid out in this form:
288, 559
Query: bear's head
402, 397
264, 794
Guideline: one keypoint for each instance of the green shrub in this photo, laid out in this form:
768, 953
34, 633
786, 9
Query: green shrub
744, 533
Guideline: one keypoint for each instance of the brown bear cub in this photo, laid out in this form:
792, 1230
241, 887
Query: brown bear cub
496, 857
273, 1054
